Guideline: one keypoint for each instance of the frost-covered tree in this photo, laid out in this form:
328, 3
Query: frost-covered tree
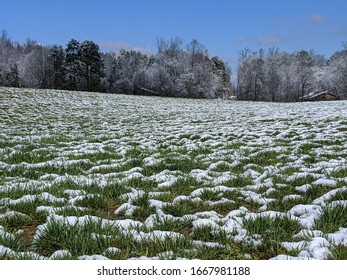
11, 55
208, 76
304, 72
250, 75
125, 70
6, 50
35, 69
109, 78
222, 71
337, 72
197, 52
172, 71
186, 73
169, 67
280, 76
272, 79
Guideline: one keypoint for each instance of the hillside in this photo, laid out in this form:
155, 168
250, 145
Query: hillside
95, 176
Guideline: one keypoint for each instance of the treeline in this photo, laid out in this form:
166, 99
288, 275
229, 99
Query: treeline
279, 76
176, 70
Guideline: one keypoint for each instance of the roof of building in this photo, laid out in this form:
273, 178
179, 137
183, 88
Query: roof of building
315, 94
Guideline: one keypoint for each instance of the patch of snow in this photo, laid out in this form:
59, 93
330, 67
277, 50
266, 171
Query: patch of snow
74, 193
127, 207
339, 237
303, 188
293, 246
204, 223
207, 244
93, 257
5, 251
307, 214
319, 248
60, 254
321, 200
112, 250
291, 196
325, 182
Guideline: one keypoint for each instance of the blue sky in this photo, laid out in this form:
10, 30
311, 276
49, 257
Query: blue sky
224, 27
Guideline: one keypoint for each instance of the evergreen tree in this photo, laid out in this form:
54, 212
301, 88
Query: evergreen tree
91, 65
57, 60
72, 64
1, 78
12, 77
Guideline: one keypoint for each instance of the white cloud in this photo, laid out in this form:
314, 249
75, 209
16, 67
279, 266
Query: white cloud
118, 45
340, 32
316, 18
241, 39
270, 40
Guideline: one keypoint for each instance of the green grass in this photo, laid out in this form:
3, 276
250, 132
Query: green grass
339, 195
153, 247
301, 180
34, 173
273, 232
265, 158
142, 184
284, 206
239, 182
339, 173
16, 191
29, 207
207, 194
235, 169
339, 252
13, 223
199, 151
280, 228
183, 186
10, 243
76, 239
210, 234
29, 155
316, 192
144, 209
331, 219
222, 208
184, 165
72, 211
183, 226
240, 200
184, 207
94, 202
97, 157
65, 137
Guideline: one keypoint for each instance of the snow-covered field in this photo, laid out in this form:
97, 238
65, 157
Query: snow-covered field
96, 176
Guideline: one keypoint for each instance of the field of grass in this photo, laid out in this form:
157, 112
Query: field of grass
97, 176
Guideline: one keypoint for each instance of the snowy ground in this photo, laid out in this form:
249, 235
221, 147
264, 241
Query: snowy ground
94, 176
